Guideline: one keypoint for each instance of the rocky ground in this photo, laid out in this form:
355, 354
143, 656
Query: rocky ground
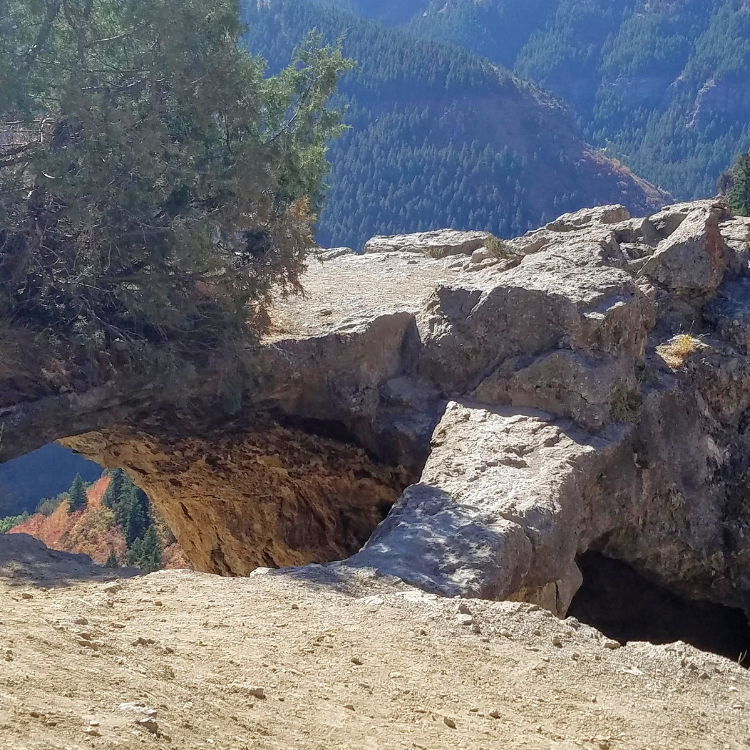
188, 660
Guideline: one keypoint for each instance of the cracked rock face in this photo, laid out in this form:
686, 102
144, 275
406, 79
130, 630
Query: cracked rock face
584, 387
581, 414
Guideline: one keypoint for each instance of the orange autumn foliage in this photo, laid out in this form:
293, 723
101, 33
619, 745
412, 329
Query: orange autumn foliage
91, 530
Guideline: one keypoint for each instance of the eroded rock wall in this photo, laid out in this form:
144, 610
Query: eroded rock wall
597, 378
584, 387
264, 496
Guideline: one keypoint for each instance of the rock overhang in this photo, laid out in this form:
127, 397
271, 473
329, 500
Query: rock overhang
387, 349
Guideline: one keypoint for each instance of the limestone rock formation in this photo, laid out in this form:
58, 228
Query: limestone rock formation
436, 244
566, 427
583, 388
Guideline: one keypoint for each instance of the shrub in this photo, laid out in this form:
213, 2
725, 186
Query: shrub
626, 407
158, 185
10, 522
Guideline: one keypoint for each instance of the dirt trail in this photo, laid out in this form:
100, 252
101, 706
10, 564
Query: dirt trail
179, 659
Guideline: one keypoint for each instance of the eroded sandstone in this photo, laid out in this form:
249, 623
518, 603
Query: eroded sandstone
262, 496
584, 387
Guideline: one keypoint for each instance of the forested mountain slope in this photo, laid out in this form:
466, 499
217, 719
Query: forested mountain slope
663, 84
440, 137
45, 472
110, 520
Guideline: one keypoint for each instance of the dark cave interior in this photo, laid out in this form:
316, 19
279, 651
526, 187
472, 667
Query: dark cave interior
625, 606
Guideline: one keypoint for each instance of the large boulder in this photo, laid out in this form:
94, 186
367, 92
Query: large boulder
563, 330
692, 260
504, 505
588, 217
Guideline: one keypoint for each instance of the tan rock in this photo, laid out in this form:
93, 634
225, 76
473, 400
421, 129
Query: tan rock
437, 244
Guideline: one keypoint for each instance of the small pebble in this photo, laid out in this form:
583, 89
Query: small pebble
449, 722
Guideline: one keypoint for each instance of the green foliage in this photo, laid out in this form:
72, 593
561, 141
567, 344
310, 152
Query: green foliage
146, 552
497, 247
438, 137
129, 504
112, 561
738, 195
663, 86
48, 505
157, 183
6, 524
77, 497
626, 407
140, 524
497, 29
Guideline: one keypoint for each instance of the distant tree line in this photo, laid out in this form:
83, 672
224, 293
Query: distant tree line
438, 137
663, 86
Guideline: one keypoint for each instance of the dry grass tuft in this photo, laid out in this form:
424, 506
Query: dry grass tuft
678, 350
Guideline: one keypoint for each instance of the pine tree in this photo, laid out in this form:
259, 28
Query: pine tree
146, 552
114, 489
161, 162
739, 194
134, 513
77, 497
112, 561
129, 504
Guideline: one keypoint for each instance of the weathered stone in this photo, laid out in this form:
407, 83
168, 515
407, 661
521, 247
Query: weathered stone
736, 233
730, 313
282, 497
692, 260
567, 430
502, 506
149, 724
332, 253
587, 217
564, 382
438, 244
573, 299
669, 219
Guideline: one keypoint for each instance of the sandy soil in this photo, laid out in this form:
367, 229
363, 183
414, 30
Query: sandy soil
180, 659
339, 296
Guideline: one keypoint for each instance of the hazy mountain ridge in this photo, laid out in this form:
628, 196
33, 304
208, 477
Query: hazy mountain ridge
440, 137
662, 84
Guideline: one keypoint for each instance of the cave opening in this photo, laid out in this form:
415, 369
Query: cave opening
625, 606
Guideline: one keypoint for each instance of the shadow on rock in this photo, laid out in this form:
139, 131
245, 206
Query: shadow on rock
26, 560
